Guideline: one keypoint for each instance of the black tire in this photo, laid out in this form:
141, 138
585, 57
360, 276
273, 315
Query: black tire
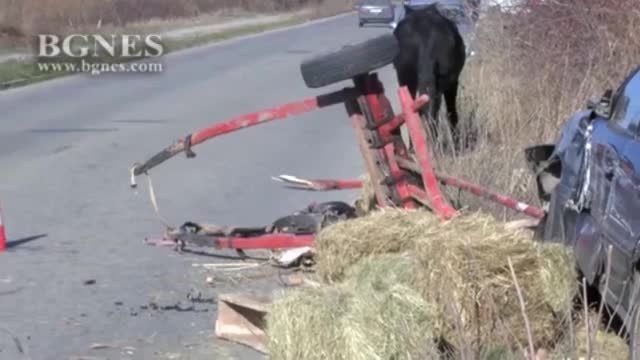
349, 61
298, 224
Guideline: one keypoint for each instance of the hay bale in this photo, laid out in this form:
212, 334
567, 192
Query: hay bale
559, 276
342, 244
461, 266
467, 266
381, 272
392, 324
305, 324
367, 317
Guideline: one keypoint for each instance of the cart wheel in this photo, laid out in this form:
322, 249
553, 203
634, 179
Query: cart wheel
349, 61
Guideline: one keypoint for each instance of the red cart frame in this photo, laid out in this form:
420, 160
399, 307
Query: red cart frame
399, 179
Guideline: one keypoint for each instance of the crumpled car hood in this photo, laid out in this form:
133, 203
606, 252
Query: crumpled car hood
574, 127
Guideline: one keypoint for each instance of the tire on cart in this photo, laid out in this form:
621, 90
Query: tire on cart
349, 61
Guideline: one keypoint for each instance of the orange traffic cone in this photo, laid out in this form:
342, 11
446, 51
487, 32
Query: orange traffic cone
3, 236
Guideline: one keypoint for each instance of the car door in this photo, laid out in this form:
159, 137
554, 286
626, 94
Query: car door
617, 160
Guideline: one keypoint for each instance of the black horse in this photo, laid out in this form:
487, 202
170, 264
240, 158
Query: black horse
431, 57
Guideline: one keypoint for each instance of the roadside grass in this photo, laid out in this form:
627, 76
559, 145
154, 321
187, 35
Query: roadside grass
534, 69
205, 38
15, 73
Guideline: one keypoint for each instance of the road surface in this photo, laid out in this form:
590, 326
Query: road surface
78, 273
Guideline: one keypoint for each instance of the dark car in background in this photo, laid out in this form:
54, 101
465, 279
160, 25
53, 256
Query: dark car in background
381, 12
590, 182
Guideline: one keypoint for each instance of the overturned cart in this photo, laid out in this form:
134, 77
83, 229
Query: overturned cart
399, 178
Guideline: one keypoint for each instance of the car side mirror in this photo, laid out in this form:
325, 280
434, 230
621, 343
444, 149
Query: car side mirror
601, 106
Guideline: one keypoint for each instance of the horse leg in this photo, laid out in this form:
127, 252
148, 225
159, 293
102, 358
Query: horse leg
450, 95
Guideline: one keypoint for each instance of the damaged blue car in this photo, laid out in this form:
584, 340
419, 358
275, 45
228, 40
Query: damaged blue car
589, 183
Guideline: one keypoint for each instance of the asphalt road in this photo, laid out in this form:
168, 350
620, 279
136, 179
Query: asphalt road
65, 150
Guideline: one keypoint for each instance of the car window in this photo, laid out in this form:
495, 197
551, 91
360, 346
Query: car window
626, 105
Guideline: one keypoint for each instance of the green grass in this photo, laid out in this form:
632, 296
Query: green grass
15, 73
192, 41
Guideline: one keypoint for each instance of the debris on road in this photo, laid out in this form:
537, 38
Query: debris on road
89, 282
98, 346
241, 319
173, 307
199, 299
293, 256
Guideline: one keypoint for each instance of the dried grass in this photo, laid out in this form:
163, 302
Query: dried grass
604, 343
366, 201
533, 69
467, 264
385, 231
21, 19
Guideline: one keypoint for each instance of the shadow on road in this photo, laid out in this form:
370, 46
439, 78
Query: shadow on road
141, 121
15, 243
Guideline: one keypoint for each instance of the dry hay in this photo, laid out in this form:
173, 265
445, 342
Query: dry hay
461, 267
391, 324
603, 343
342, 244
467, 273
305, 324
366, 201
342, 322
381, 272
